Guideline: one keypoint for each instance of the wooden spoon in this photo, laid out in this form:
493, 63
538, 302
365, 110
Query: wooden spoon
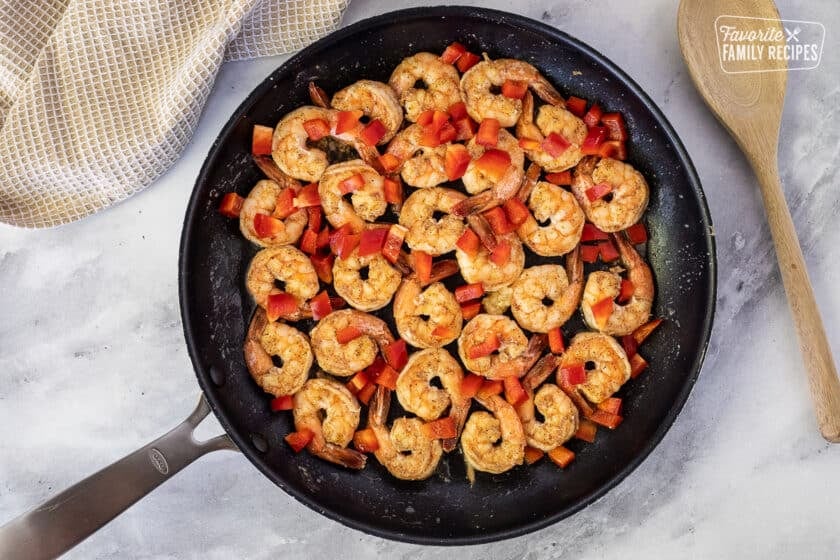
750, 105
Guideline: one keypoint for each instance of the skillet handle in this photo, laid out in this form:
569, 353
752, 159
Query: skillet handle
56, 526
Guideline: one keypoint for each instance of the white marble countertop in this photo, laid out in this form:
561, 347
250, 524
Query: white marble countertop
93, 361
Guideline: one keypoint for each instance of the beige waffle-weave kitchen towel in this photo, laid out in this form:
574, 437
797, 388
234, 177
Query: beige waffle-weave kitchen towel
99, 97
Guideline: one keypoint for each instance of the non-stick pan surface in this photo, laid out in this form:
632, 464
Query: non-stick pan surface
445, 509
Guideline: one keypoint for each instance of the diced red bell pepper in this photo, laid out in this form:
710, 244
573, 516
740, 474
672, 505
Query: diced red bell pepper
593, 115
608, 251
323, 238
561, 178
347, 334
600, 190
347, 121
261, 140
439, 119
606, 419
425, 118
615, 124
637, 233
594, 138
501, 253
372, 241
388, 377
308, 196
613, 149
389, 162
357, 382
467, 61
555, 145
470, 385
490, 388
447, 133
465, 128
321, 305
365, 394
309, 242
396, 354
300, 439
532, 454
231, 205
516, 211
514, 392
392, 190
498, 220
453, 52
315, 217
268, 226
591, 232
285, 402
469, 242
442, 428
602, 310
490, 344
625, 291
457, 110
629, 344
637, 365
470, 310
393, 242
488, 133
456, 161
351, 184
641, 333
429, 137
586, 431
316, 129
576, 106
493, 163
572, 374
469, 292
555, 341
373, 132
323, 266
589, 253
422, 264
442, 332
375, 368
515, 89
530, 144
366, 441
337, 236
561, 456
611, 405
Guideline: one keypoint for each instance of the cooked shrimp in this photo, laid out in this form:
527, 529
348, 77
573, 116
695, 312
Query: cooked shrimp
376, 100
559, 413
367, 283
404, 449
331, 413
545, 296
477, 82
291, 346
426, 232
295, 157
551, 119
513, 343
261, 200
481, 269
421, 166
610, 368
493, 441
284, 265
496, 303
356, 355
552, 204
426, 317
503, 189
625, 317
475, 180
624, 205
440, 79
367, 203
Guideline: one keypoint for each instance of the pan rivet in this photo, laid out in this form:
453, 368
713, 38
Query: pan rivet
259, 442
217, 376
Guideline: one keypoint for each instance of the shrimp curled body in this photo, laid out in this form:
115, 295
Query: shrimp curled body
493, 441
266, 339
355, 355
281, 264
262, 200
611, 368
441, 81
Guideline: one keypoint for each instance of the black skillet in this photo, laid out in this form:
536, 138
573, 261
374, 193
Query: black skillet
216, 310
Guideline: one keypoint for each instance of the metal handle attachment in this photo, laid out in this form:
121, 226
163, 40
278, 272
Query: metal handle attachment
73, 515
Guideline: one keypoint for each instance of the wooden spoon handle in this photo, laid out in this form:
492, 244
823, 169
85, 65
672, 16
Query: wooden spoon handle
816, 352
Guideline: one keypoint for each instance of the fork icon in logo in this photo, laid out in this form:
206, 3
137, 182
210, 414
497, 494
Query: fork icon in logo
792, 35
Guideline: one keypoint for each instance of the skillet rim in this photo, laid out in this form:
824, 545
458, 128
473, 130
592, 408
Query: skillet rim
398, 17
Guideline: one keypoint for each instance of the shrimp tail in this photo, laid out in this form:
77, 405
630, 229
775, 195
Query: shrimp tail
270, 169
458, 413
318, 96
380, 403
529, 181
583, 405
547, 93
443, 269
369, 154
540, 372
343, 456
481, 227
403, 264
473, 204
